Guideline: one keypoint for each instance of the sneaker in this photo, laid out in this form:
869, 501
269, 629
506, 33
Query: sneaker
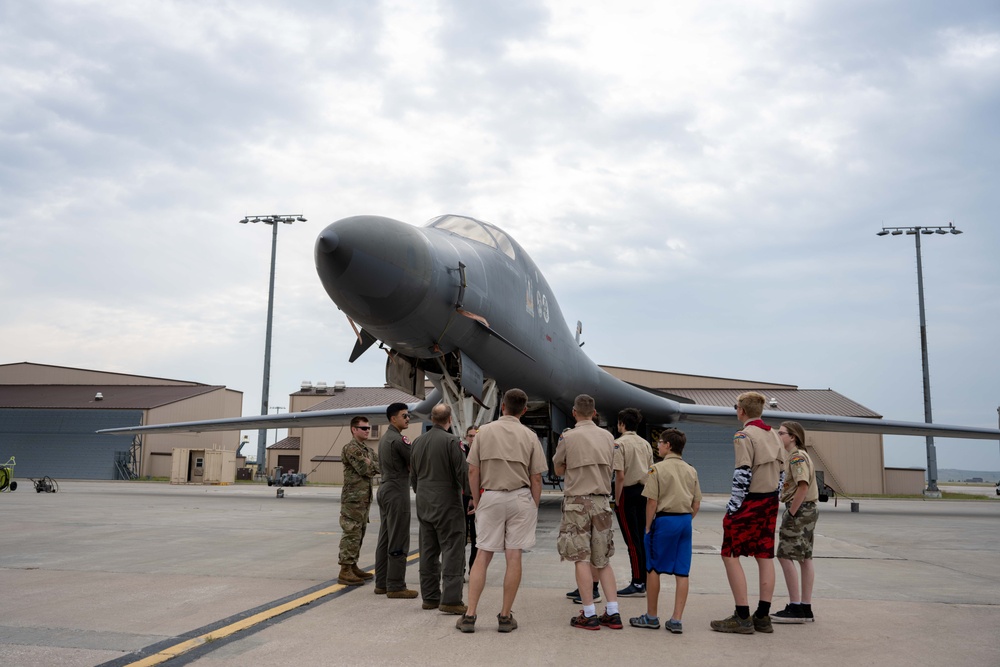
734, 624
792, 613
585, 622
457, 609
762, 624
379, 591
633, 591
429, 605
613, 621
807, 615
575, 593
466, 623
597, 596
404, 594
645, 621
506, 623
674, 627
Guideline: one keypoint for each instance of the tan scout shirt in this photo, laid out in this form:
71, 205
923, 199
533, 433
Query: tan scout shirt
633, 456
507, 454
799, 468
763, 453
673, 483
587, 452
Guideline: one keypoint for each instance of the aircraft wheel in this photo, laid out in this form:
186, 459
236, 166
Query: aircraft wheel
13, 486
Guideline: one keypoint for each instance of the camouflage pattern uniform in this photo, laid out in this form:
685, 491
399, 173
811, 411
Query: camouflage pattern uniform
360, 465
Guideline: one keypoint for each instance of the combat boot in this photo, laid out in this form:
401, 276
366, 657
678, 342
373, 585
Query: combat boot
358, 572
348, 578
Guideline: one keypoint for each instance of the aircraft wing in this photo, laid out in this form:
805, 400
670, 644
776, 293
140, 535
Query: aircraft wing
708, 414
338, 417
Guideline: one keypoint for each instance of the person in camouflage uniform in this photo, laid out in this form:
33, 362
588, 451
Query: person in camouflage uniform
360, 465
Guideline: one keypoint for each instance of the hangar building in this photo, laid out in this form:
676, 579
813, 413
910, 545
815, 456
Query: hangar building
49, 415
852, 463
316, 451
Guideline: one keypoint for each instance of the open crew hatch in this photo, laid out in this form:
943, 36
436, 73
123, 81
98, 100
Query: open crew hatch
474, 230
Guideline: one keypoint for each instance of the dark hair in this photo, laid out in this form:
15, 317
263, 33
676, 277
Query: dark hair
630, 418
515, 401
356, 421
394, 409
675, 438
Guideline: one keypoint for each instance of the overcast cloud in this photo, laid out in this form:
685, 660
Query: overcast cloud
677, 169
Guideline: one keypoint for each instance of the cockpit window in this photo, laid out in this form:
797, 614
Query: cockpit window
475, 230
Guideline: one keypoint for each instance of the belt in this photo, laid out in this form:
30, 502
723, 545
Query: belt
661, 514
507, 490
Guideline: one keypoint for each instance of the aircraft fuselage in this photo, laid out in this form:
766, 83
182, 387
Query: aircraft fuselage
404, 285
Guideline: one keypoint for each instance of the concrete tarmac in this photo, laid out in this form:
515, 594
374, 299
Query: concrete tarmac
134, 573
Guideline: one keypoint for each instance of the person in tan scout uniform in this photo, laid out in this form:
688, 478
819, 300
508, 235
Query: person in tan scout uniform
585, 456
673, 498
748, 527
633, 459
506, 462
799, 493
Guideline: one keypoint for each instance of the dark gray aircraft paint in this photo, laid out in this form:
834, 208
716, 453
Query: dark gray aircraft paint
459, 299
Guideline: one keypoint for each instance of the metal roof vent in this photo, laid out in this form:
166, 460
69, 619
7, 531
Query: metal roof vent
339, 385
98, 396
773, 402
320, 387
306, 385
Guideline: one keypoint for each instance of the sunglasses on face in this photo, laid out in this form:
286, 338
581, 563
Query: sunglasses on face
363, 428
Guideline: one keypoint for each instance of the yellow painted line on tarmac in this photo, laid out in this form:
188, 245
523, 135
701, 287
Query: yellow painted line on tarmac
183, 647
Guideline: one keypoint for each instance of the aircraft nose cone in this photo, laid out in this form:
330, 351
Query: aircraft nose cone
328, 241
377, 270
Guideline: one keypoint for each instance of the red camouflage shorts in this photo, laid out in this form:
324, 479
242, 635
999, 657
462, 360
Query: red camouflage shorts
750, 530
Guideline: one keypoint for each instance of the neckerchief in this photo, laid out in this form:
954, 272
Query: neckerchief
759, 424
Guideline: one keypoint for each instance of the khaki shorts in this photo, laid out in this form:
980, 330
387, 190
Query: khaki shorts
587, 531
506, 520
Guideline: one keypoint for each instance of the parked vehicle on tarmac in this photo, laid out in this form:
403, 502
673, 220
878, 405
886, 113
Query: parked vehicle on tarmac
7, 482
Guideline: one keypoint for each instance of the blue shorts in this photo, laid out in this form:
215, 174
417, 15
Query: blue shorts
668, 545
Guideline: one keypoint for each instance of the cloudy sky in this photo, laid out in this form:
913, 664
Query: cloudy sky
700, 181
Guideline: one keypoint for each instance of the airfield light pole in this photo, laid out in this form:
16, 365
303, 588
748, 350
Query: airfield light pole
272, 220
916, 232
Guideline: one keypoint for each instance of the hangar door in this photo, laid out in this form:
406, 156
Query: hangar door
62, 443
709, 449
